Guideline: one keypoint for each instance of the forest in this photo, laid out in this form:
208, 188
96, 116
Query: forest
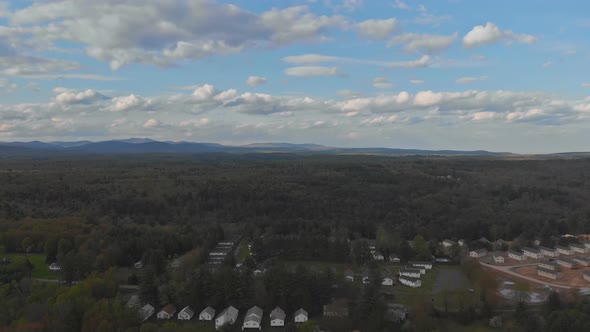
94, 214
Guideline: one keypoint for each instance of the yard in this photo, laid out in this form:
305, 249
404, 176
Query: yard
40, 268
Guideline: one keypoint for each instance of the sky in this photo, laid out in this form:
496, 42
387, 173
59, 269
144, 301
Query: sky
497, 75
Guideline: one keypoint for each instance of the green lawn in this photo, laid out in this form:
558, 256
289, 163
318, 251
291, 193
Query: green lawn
40, 268
243, 251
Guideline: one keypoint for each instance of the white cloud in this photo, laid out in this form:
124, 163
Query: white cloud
312, 71
382, 83
376, 29
547, 64
483, 116
124, 103
255, 80
586, 85
467, 80
490, 33
151, 123
309, 59
423, 42
66, 96
399, 4
415, 81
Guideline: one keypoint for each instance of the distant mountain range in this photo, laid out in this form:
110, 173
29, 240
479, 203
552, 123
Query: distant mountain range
146, 145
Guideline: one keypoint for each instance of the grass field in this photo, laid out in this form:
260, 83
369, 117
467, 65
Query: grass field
40, 269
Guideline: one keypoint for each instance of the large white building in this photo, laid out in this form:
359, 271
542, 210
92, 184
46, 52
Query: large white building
532, 253
253, 318
549, 252
409, 281
548, 273
564, 250
425, 265
578, 248
517, 255
570, 264
277, 317
408, 272
550, 266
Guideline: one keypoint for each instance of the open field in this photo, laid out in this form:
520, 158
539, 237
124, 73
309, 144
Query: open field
569, 277
40, 269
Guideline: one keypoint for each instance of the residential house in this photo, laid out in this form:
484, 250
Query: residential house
207, 314
54, 267
532, 253
582, 260
253, 319
564, 250
301, 316
551, 274
167, 312
483, 240
277, 317
409, 272
570, 264
422, 269
549, 252
517, 255
394, 258
396, 313
578, 248
366, 278
146, 311
498, 258
138, 265
550, 266
448, 243
349, 275
387, 280
260, 270
586, 275
378, 256
479, 253
226, 317
410, 281
372, 245
134, 302
338, 308
186, 313
462, 242
425, 265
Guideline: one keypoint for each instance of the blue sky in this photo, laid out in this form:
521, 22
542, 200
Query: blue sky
456, 74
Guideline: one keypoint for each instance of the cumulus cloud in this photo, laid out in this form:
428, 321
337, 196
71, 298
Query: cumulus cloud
382, 83
399, 4
164, 32
376, 29
151, 123
255, 81
423, 43
467, 80
490, 33
312, 71
124, 103
67, 96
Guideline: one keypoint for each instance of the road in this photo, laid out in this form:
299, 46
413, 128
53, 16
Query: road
508, 270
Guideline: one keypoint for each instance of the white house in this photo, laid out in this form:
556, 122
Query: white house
146, 311
253, 318
366, 279
349, 275
186, 313
409, 281
277, 317
134, 302
138, 265
394, 258
409, 272
448, 243
226, 317
54, 267
549, 252
387, 281
582, 261
517, 255
550, 266
378, 256
586, 275
479, 253
570, 264
462, 242
207, 314
300, 316
548, 273
167, 312
498, 258
564, 250
259, 271
532, 253
425, 265
578, 248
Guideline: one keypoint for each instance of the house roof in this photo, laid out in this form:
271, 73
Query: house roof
581, 259
147, 310
569, 261
533, 250
254, 314
278, 313
549, 263
498, 254
187, 310
517, 253
547, 249
169, 309
229, 311
133, 301
411, 279
480, 251
563, 248
547, 270
301, 312
391, 256
209, 311
409, 270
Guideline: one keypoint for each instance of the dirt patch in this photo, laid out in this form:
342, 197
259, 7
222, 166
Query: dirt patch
572, 278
